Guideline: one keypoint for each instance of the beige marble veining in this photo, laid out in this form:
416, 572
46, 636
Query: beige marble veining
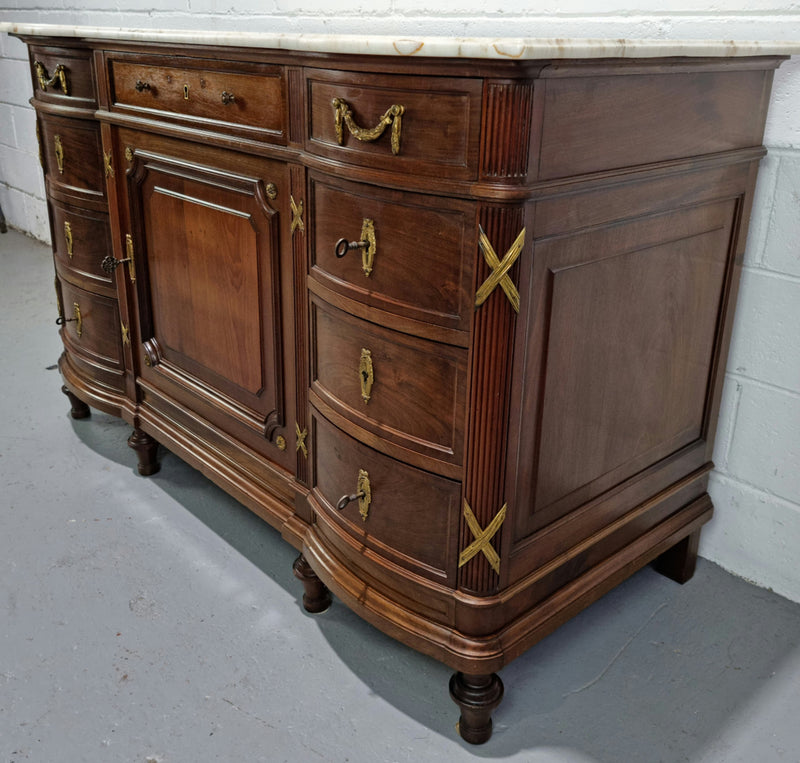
523, 48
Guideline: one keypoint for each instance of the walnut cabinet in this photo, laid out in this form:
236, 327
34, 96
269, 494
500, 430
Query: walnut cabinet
456, 328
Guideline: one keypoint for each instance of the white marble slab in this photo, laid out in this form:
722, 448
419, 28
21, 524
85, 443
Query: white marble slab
440, 47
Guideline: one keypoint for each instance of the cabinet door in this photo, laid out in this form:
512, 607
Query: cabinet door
208, 284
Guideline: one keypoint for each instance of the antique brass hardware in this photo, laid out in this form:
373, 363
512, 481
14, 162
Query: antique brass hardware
280, 441
59, 149
365, 374
499, 275
271, 190
109, 167
59, 77
185, 92
483, 537
343, 115
363, 494
141, 86
301, 439
39, 144
126, 334
368, 246
68, 237
227, 97
110, 263
128, 154
78, 319
297, 215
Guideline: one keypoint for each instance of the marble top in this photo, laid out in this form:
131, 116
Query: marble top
521, 48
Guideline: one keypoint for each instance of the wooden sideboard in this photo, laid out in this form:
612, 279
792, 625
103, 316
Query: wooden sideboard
456, 328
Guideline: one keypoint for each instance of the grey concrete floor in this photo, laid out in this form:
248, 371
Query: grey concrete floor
155, 619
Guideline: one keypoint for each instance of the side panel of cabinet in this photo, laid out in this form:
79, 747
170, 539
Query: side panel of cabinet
207, 234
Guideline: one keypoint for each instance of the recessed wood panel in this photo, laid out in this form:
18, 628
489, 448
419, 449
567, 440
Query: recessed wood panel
628, 320
208, 285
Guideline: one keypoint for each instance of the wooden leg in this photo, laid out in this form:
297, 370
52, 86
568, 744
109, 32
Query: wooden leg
79, 409
477, 696
317, 597
678, 563
147, 450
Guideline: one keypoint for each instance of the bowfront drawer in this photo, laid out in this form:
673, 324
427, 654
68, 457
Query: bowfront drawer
63, 75
405, 514
217, 94
73, 156
407, 391
91, 331
402, 252
421, 125
81, 240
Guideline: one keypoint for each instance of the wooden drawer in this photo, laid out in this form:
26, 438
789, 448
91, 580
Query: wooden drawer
434, 130
63, 75
92, 328
81, 239
419, 270
72, 153
254, 98
412, 515
407, 391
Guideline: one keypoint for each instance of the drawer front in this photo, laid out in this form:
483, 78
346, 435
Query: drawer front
254, 100
418, 269
81, 239
72, 153
63, 75
411, 516
408, 391
427, 125
92, 326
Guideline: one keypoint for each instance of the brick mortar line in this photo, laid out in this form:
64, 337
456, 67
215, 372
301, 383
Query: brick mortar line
730, 478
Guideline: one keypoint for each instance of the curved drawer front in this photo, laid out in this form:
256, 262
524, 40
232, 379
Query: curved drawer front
221, 95
92, 328
81, 239
408, 391
416, 268
420, 125
411, 515
63, 75
72, 153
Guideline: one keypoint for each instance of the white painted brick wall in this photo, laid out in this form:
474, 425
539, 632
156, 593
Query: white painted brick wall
756, 487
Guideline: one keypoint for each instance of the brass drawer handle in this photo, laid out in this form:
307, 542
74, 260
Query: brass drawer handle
141, 86
363, 495
59, 77
365, 374
78, 319
68, 238
227, 97
343, 115
59, 149
368, 246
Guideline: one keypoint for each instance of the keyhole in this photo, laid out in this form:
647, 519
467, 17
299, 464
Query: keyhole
185, 92
364, 376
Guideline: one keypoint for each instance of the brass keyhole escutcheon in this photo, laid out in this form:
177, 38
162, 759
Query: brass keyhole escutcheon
185, 92
366, 374
368, 246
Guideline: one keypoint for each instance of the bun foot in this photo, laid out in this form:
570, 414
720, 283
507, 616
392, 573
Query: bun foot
79, 409
147, 450
477, 696
317, 598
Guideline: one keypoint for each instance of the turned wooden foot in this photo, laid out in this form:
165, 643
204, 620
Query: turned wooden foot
477, 696
147, 450
679, 562
79, 409
317, 597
